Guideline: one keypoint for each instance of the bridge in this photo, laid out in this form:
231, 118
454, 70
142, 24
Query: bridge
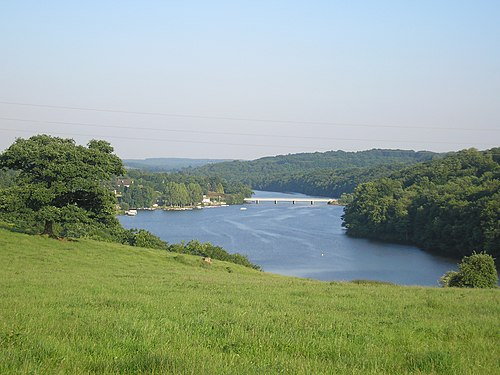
292, 200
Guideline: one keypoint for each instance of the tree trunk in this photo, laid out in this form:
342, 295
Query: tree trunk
49, 228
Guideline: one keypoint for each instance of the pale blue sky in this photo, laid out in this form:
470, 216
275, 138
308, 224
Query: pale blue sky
428, 71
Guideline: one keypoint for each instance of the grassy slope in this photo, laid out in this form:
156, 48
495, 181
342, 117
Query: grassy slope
80, 307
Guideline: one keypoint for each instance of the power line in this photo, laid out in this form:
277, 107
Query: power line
190, 131
165, 130
160, 139
251, 145
229, 118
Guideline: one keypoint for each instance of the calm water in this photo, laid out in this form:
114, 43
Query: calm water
297, 240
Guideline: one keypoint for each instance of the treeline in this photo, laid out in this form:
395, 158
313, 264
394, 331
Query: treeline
143, 189
326, 174
450, 205
325, 182
167, 164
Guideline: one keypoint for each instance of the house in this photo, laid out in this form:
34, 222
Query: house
126, 182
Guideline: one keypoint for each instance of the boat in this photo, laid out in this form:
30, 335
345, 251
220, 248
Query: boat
243, 208
131, 212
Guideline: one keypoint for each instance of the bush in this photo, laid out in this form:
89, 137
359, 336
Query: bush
475, 271
206, 249
142, 238
478, 271
451, 279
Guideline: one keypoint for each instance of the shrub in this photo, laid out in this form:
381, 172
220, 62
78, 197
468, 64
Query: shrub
206, 249
478, 271
451, 279
475, 271
142, 238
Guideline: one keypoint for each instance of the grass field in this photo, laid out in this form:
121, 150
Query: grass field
92, 307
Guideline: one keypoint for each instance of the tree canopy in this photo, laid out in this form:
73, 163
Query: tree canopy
450, 205
61, 188
320, 173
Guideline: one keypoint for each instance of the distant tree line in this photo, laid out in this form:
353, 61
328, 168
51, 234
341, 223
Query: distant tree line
324, 174
450, 205
175, 189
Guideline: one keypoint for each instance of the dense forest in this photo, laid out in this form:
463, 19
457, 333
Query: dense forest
326, 174
450, 205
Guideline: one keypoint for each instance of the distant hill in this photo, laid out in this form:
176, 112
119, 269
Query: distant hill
168, 164
320, 173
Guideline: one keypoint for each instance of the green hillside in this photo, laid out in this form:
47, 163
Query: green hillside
168, 164
91, 307
450, 205
320, 173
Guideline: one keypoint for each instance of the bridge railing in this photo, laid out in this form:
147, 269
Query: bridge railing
292, 200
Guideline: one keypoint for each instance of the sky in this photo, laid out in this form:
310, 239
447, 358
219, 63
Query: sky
246, 79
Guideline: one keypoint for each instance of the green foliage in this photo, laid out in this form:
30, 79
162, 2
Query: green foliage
176, 189
167, 164
60, 187
451, 205
451, 279
478, 271
7, 178
206, 249
88, 307
176, 194
475, 271
138, 196
143, 238
327, 174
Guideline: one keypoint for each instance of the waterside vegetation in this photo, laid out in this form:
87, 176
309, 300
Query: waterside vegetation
142, 189
450, 205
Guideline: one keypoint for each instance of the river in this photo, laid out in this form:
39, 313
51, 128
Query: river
298, 240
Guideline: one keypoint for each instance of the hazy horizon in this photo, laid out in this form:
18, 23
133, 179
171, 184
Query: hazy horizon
232, 80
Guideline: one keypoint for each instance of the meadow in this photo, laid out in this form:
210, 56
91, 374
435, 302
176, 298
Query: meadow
83, 306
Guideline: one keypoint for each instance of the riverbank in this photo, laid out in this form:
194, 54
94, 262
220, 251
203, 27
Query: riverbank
171, 208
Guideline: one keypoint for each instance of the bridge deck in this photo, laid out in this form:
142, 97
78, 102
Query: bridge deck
293, 200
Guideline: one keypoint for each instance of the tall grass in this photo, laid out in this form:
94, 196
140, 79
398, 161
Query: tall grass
91, 307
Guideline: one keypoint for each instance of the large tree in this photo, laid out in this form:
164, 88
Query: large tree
61, 185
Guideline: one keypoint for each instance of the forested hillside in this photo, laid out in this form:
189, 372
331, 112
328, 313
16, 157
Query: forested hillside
167, 164
450, 205
329, 174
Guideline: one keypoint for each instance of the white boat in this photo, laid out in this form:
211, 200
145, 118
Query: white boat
243, 208
131, 212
